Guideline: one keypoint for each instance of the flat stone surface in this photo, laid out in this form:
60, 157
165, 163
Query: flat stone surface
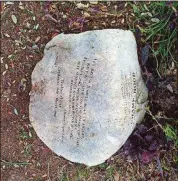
87, 94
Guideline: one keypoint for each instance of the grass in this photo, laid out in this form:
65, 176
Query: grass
110, 171
157, 24
156, 21
15, 164
24, 135
171, 133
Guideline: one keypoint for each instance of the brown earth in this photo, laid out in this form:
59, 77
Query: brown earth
23, 155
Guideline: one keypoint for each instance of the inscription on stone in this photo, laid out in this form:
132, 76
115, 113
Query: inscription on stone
86, 93
77, 98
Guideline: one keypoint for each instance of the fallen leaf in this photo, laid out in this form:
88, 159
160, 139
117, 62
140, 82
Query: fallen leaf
6, 35
55, 34
122, 21
153, 146
155, 20
9, 3
15, 111
142, 129
81, 5
30, 134
2, 59
86, 14
145, 6
104, 8
37, 39
64, 16
14, 19
6, 66
22, 84
4, 72
43, 176
10, 56
148, 138
147, 13
94, 2
21, 7
28, 25
12, 64
36, 27
169, 87
159, 166
116, 177
145, 54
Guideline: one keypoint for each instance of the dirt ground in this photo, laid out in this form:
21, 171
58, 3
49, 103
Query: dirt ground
23, 155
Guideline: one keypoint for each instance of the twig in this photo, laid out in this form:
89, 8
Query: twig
159, 166
147, 109
48, 173
15, 163
49, 17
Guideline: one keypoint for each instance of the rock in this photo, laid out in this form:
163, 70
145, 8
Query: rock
87, 94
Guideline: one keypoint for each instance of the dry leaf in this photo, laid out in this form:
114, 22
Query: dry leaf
28, 25
145, 6
81, 5
86, 14
2, 59
147, 13
15, 111
30, 134
14, 19
4, 72
6, 66
37, 39
9, 3
169, 87
64, 16
21, 7
94, 2
155, 20
36, 27
6, 35
104, 8
116, 177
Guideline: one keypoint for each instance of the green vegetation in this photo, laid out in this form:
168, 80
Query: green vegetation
157, 23
24, 135
15, 164
171, 134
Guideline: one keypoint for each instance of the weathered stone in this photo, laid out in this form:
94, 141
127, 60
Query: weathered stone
87, 94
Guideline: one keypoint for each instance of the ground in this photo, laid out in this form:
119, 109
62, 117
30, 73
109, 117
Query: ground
150, 152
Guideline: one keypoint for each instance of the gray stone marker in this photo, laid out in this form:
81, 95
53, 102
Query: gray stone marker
87, 94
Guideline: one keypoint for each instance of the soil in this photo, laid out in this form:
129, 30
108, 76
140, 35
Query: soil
23, 155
